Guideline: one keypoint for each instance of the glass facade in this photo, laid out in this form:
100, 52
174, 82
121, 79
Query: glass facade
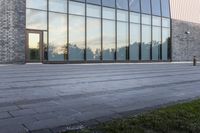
102, 30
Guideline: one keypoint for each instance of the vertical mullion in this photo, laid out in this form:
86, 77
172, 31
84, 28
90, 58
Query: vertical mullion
129, 40
151, 52
161, 58
85, 51
67, 31
47, 30
101, 58
140, 45
116, 31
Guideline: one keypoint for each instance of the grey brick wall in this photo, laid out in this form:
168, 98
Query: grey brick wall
184, 46
12, 31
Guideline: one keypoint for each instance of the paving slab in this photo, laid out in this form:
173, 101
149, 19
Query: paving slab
48, 98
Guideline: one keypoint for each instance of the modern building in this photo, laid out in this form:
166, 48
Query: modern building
80, 31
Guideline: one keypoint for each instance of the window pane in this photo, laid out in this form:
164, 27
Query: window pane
93, 39
94, 1
165, 8
109, 3
76, 8
122, 4
122, 15
122, 40
93, 11
135, 41
109, 13
134, 17
57, 36
37, 4
76, 38
146, 19
108, 40
36, 19
156, 43
156, 10
134, 5
146, 6
165, 43
166, 22
156, 21
79, 0
146, 42
58, 5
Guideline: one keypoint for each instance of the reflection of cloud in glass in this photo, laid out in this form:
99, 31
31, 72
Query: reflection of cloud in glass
36, 19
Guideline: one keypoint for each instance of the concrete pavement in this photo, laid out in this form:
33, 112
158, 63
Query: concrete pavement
46, 98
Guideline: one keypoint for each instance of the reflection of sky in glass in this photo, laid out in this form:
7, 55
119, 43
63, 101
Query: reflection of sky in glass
34, 40
108, 13
156, 21
122, 15
146, 6
76, 8
146, 41
37, 4
156, 10
135, 40
93, 11
57, 34
146, 19
134, 5
134, 17
166, 22
122, 40
58, 5
156, 43
77, 30
94, 33
122, 4
36, 19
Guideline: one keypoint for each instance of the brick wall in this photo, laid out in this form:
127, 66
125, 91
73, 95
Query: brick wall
185, 46
12, 31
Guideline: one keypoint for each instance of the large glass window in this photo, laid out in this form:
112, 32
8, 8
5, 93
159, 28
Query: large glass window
108, 3
122, 40
57, 36
94, 1
36, 19
156, 10
37, 4
122, 15
146, 19
109, 40
146, 42
165, 8
108, 13
156, 21
58, 5
93, 38
134, 17
76, 38
122, 4
135, 41
166, 22
156, 43
93, 11
165, 43
134, 5
76, 8
146, 6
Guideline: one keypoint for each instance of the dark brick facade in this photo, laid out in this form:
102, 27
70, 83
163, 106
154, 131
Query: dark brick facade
12, 31
185, 46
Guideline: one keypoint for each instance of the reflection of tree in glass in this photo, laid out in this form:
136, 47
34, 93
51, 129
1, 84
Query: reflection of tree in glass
56, 52
75, 53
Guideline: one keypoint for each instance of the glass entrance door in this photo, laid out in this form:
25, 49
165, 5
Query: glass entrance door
34, 47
